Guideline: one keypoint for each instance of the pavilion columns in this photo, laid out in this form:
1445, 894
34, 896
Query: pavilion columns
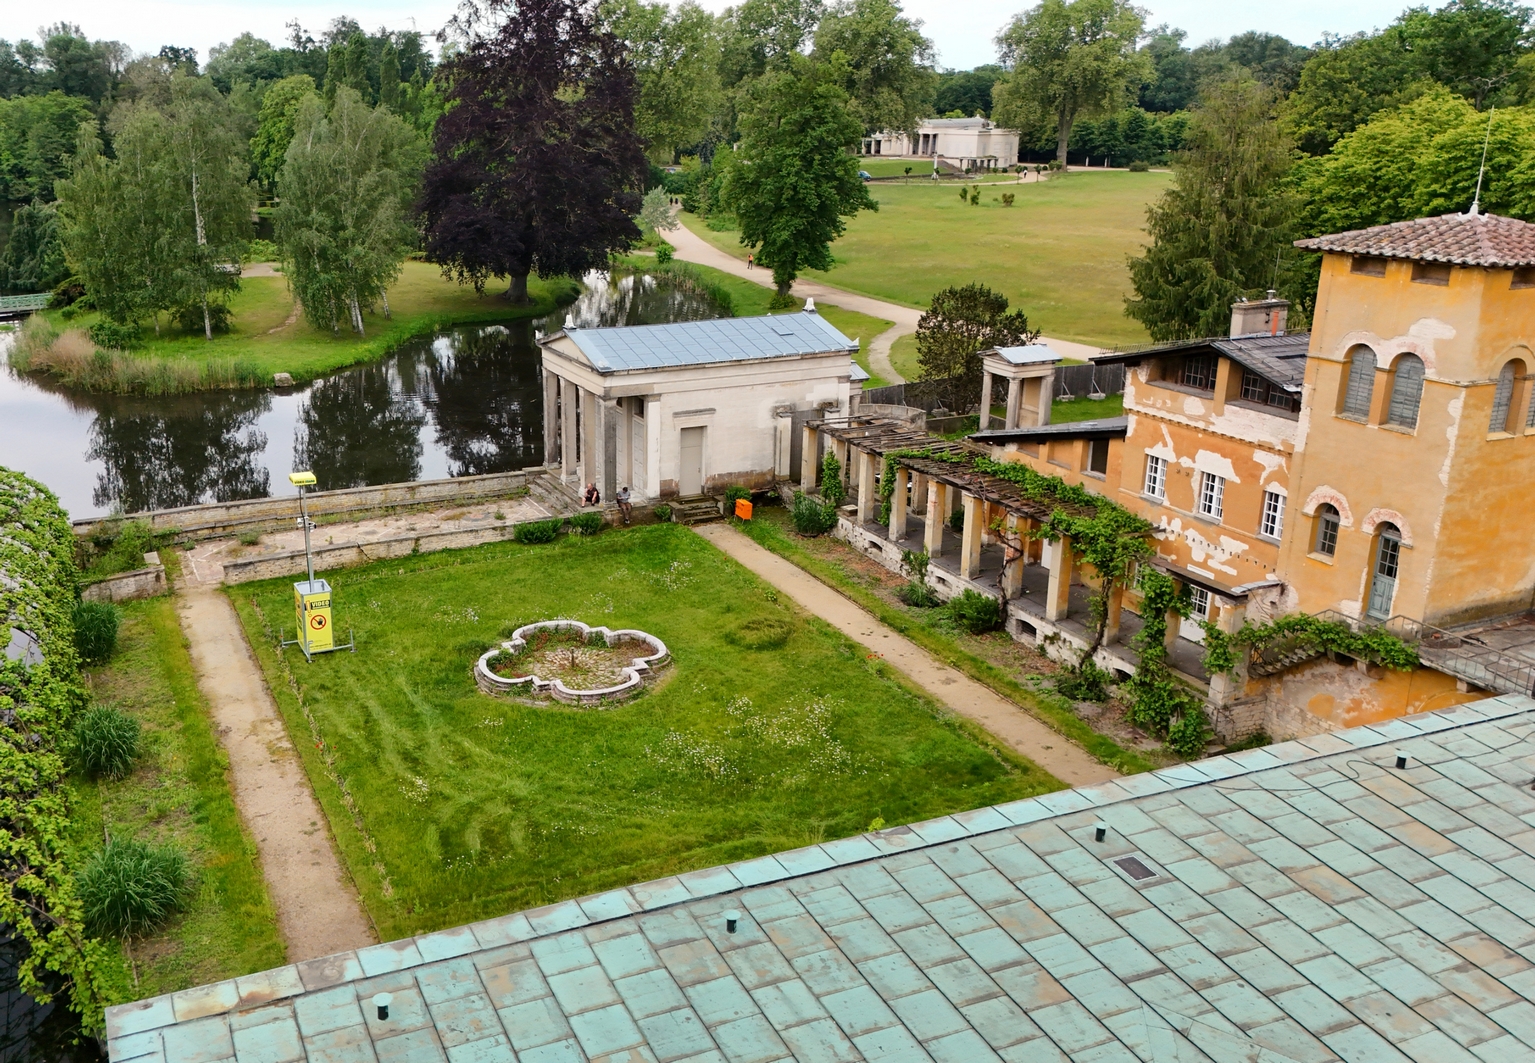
1014, 398
551, 417
809, 459
1014, 557
919, 492
1058, 596
868, 488
898, 505
985, 399
602, 444
970, 544
783, 421
932, 536
569, 423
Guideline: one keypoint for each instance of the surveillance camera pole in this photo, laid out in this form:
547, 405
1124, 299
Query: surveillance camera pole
303, 515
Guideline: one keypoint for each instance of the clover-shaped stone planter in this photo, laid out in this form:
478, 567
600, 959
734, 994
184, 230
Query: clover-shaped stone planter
630, 674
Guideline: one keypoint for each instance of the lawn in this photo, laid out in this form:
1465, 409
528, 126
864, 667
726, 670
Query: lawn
875, 166
458, 806
1085, 409
177, 793
263, 337
1058, 254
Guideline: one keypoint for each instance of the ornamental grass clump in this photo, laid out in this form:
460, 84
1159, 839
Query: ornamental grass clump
811, 516
95, 630
762, 633
975, 612
538, 531
129, 888
106, 742
586, 523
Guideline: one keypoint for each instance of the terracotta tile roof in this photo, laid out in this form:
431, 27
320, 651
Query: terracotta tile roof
1464, 239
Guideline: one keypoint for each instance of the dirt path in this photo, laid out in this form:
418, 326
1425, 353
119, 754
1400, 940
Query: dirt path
1011, 724
694, 248
318, 911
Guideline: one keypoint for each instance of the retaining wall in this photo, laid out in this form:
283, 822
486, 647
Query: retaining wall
144, 582
343, 555
219, 519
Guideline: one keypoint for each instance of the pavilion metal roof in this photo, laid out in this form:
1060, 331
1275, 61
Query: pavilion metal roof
625, 348
1299, 903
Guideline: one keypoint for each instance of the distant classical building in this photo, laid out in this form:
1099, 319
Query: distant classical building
966, 143
695, 406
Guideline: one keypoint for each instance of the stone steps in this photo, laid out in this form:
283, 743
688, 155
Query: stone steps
697, 509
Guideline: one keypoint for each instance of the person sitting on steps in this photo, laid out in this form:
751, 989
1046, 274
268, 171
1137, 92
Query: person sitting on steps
593, 497
624, 505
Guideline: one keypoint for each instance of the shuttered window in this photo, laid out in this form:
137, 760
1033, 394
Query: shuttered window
1502, 397
1406, 392
1360, 387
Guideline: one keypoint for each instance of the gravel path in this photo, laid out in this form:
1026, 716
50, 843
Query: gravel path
318, 911
1010, 724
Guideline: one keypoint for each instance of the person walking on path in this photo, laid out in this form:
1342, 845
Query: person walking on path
751, 261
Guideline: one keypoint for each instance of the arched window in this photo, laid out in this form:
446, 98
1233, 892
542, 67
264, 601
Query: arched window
1406, 391
1505, 397
1387, 560
1327, 524
1359, 385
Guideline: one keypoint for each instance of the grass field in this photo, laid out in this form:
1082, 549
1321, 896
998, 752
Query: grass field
263, 340
1058, 254
474, 806
178, 792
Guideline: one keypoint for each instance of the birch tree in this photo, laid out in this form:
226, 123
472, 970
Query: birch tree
344, 224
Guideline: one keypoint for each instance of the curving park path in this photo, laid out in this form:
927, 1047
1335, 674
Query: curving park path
693, 248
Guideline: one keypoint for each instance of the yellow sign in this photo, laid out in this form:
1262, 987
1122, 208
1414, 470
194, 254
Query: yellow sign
311, 605
301, 479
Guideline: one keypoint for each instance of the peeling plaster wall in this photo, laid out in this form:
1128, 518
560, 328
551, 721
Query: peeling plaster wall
1323, 695
1457, 492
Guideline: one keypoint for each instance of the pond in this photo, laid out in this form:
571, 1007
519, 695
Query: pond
465, 401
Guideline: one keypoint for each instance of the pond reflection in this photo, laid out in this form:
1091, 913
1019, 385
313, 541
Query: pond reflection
468, 400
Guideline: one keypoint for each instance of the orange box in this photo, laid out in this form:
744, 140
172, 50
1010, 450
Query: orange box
744, 509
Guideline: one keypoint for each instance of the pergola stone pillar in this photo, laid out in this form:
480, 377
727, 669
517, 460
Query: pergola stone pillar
570, 403
898, 505
1058, 596
868, 490
1115, 608
551, 417
809, 460
985, 399
919, 492
970, 543
1225, 687
932, 538
1170, 636
839, 450
1012, 569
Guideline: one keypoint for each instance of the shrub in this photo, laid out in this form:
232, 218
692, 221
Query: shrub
1007, 199
975, 612
1139, 166
106, 742
95, 630
111, 334
1189, 733
1087, 683
811, 516
538, 531
762, 633
190, 317
664, 252
957, 521
914, 563
919, 595
733, 494
262, 251
663, 512
586, 523
129, 887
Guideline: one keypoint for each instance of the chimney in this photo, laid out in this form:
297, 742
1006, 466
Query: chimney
1261, 317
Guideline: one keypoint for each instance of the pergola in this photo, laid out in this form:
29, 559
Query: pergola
936, 488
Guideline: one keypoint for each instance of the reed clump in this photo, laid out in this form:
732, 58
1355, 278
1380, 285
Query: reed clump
75, 361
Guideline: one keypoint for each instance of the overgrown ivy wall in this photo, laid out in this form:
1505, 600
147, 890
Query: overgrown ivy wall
40, 691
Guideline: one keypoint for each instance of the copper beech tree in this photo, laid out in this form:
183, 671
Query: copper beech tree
537, 168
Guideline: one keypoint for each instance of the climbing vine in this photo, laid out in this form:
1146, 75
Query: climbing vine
40, 692
1159, 702
1373, 644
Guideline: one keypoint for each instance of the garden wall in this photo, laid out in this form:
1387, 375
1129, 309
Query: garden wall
146, 582
219, 519
342, 555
